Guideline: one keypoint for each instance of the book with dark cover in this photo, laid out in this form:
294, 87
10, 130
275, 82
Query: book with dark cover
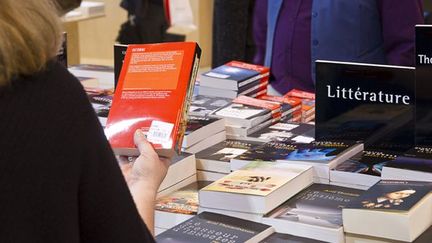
285, 238
234, 75
392, 196
282, 132
317, 152
119, 55
371, 103
211, 227
367, 162
418, 159
319, 205
204, 105
195, 123
183, 201
226, 150
423, 85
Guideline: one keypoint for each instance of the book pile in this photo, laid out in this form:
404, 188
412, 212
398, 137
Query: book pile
246, 115
307, 113
203, 132
255, 190
290, 106
233, 79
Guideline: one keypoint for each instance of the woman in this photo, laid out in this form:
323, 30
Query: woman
59, 181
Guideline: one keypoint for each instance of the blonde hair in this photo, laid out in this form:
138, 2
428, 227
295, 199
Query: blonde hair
30, 35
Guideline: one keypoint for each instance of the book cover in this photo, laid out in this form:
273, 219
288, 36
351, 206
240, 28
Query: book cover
368, 162
241, 111
227, 150
205, 105
119, 55
317, 152
286, 238
300, 94
183, 201
417, 159
231, 73
270, 105
194, 123
211, 227
155, 86
282, 132
257, 178
319, 205
92, 67
392, 196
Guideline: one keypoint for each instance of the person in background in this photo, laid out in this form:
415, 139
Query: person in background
59, 179
291, 34
65, 6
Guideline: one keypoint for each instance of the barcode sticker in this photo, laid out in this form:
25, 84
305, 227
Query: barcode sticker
160, 132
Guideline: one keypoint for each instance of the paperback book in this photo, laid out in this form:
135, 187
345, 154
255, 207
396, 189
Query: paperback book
178, 206
210, 227
404, 206
199, 128
217, 158
415, 165
315, 212
234, 75
205, 105
285, 238
153, 76
362, 169
257, 188
283, 132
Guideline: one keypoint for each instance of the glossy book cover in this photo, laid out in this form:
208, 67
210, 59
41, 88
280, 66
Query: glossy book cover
204, 105
227, 150
368, 162
319, 204
392, 196
258, 178
183, 201
155, 85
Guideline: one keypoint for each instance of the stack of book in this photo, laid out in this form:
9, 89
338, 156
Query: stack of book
203, 132
363, 170
289, 105
233, 79
415, 165
392, 210
315, 212
307, 113
322, 156
204, 106
246, 115
215, 162
255, 190
284, 132
178, 206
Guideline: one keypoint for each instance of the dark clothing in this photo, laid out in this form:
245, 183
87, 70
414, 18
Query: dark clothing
372, 31
232, 31
59, 180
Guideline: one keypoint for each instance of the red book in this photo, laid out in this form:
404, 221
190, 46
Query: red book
271, 105
300, 94
155, 86
264, 71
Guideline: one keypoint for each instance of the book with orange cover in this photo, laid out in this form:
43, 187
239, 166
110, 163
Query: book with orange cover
153, 94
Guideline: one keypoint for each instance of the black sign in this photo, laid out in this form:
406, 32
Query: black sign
374, 104
424, 85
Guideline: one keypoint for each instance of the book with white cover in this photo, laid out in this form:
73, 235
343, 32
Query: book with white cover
204, 175
315, 212
243, 115
185, 163
396, 210
208, 142
257, 188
